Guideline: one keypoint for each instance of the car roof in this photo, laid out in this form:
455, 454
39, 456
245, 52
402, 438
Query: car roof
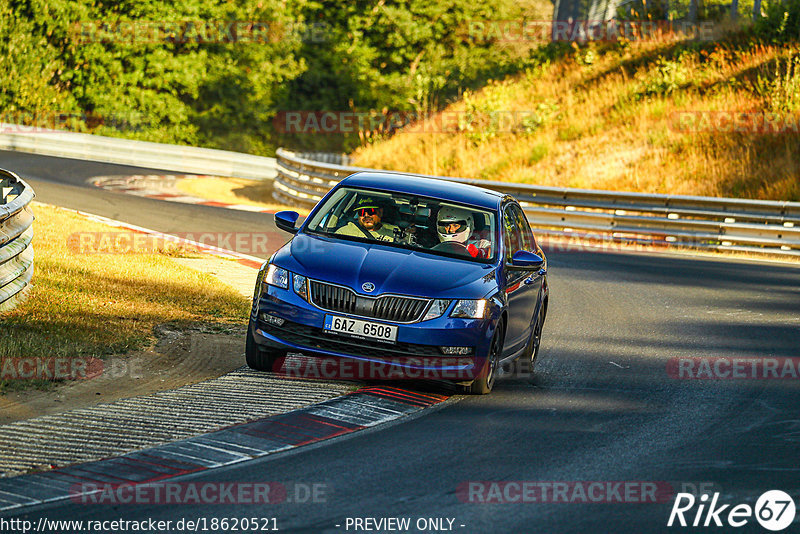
397, 182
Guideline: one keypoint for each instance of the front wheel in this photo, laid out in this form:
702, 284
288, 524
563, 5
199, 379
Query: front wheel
256, 357
485, 381
532, 350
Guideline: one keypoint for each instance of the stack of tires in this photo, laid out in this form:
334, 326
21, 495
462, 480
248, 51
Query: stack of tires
16, 235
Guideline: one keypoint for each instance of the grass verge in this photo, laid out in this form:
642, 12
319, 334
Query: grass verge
96, 305
256, 193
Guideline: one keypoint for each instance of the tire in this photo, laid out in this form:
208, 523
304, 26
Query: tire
532, 350
485, 381
256, 357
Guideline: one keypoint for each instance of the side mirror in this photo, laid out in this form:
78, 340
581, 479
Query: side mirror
526, 261
285, 220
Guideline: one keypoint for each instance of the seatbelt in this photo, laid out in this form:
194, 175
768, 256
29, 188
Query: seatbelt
364, 230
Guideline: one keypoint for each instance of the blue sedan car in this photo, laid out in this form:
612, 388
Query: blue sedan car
433, 278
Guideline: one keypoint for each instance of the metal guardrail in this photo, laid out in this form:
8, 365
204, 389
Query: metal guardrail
176, 158
16, 234
761, 226
325, 157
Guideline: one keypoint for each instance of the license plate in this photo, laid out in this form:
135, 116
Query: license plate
361, 329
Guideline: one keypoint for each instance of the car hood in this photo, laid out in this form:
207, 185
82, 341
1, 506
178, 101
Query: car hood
390, 269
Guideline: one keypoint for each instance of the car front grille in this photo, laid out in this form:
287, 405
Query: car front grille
387, 308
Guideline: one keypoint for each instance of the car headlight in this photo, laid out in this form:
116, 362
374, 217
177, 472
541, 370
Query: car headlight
299, 282
277, 277
469, 309
437, 308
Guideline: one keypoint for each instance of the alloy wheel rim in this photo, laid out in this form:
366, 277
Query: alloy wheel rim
493, 360
537, 337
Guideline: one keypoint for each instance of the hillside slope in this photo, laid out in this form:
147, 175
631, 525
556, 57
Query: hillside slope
674, 116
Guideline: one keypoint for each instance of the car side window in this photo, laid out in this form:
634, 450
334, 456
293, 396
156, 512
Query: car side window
511, 234
526, 235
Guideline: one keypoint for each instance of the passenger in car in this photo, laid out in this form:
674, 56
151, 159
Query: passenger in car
456, 225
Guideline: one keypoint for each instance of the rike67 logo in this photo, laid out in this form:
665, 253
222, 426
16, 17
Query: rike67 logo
774, 510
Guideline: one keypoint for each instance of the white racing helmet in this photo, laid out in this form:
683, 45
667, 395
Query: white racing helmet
451, 215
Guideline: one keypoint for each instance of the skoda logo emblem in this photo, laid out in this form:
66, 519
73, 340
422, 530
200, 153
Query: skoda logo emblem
369, 287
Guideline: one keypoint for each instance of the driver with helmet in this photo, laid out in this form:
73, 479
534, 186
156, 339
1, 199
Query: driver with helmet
455, 225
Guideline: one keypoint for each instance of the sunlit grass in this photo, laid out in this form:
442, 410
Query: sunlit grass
94, 305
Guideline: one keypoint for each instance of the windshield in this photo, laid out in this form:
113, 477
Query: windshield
408, 221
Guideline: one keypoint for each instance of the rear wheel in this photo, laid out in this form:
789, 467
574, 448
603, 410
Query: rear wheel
256, 357
485, 381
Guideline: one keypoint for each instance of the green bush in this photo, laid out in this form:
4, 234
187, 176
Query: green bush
68, 58
668, 77
780, 89
781, 20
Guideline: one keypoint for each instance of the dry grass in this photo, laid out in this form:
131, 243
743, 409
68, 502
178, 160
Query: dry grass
235, 191
94, 305
605, 118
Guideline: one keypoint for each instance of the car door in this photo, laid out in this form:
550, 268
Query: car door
521, 287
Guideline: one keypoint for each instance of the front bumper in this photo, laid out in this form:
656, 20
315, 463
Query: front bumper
416, 354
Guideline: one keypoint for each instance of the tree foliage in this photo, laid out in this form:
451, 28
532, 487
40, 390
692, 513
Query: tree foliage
78, 59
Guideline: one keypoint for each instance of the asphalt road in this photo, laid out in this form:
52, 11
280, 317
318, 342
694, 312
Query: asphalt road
602, 404
64, 182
